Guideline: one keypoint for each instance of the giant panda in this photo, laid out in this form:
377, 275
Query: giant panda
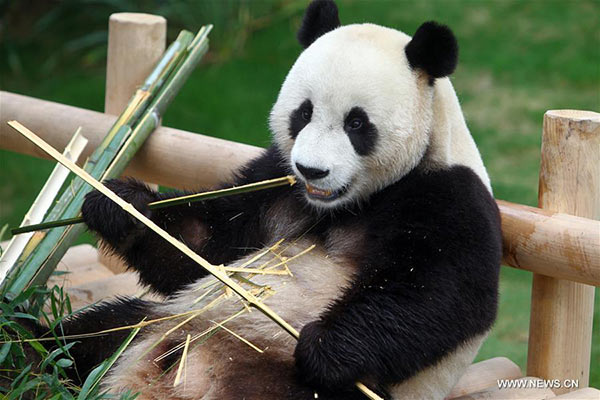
402, 286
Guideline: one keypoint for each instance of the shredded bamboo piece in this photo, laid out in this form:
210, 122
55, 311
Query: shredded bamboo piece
284, 260
214, 270
287, 260
263, 293
199, 335
191, 316
256, 271
238, 336
105, 331
203, 295
183, 361
246, 263
367, 392
262, 254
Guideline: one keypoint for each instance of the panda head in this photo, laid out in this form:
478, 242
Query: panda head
355, 111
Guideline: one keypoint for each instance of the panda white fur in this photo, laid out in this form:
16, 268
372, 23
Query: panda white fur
402, 286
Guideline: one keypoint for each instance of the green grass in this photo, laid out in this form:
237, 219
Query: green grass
517, 60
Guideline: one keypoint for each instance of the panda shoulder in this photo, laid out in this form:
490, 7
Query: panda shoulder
456, 183
443, 195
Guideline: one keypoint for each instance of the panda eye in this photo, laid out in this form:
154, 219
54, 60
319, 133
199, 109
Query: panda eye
306, 114
355, 123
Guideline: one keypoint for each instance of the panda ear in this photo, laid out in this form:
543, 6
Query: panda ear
433, 49
320, 17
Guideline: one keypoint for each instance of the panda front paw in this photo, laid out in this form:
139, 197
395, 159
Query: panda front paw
324, 361
105, 217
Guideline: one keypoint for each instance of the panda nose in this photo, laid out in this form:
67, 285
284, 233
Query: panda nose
312, 173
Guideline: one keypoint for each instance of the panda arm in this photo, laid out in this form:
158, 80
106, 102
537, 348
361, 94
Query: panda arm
221, 230
427, 285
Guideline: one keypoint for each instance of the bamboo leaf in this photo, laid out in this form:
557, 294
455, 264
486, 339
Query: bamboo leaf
4, 351
50, 357
97, 373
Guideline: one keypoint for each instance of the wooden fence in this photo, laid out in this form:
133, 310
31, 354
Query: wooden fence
559, 241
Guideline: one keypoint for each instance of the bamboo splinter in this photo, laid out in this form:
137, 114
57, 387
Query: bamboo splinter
212, 269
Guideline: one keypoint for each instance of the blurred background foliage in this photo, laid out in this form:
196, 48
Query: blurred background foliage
517, 60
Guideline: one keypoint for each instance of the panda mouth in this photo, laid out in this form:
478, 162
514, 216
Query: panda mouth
324, 194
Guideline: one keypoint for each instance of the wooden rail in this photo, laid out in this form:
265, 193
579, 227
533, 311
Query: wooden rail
554, 244
170, 157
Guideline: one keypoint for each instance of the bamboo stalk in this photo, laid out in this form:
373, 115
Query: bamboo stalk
214, 194
212, 269
139, 119
41, 204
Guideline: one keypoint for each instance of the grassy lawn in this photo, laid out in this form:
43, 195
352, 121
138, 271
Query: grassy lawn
517, 60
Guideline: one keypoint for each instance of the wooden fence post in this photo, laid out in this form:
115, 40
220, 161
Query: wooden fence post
560, 330
135, 44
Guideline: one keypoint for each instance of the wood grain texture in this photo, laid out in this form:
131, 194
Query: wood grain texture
555, 244
560, 331
135, 44
581, 394
485, 375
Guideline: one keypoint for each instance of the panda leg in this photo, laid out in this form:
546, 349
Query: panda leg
90, 351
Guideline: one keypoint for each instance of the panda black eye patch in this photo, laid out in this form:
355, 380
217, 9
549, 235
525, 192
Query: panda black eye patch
362, 133
300, 117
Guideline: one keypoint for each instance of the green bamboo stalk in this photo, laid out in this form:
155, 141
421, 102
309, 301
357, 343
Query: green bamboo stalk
192, 198
139, 119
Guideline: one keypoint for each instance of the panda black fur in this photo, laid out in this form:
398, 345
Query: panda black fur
402, 287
